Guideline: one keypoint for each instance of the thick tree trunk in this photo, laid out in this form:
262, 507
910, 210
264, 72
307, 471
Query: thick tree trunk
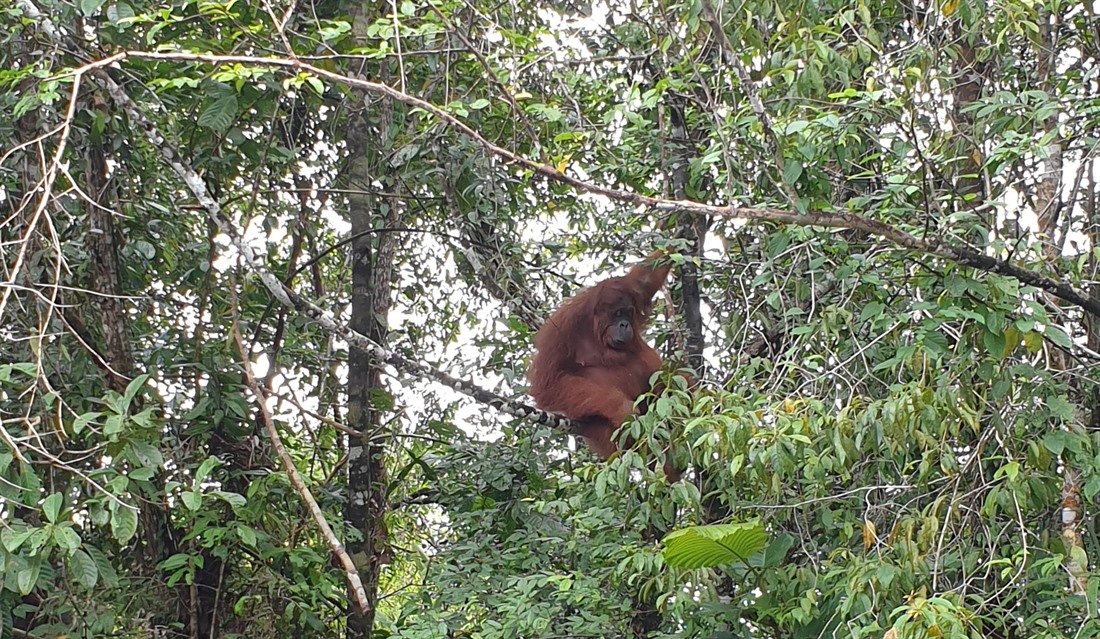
969, 80
372, 257
189, 606
104, 276
367, 495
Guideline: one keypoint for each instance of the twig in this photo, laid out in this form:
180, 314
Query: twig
334, 544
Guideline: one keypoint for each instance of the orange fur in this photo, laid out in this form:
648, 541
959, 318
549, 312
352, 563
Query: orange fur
576, 372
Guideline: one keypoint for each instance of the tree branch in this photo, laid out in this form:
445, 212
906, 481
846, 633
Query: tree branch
334, 543
292, 299
964, 255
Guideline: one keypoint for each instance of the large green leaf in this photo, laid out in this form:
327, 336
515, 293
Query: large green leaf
715, 545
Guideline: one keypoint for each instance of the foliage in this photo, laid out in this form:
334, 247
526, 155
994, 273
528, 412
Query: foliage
915, 433
714, 545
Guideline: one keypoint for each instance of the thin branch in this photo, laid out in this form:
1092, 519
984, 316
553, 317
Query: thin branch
334, 544
963, 255
292, 299
46, 190
749, 87
490, 75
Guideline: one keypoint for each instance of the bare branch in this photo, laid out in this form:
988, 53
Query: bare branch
334, 543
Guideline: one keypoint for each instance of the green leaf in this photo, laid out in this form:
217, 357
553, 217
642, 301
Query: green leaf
51, 507
120, 13
144, 419
83, 420
219, 113
1060, 407
192, 499
333, 30
233, 499
142, 474
1055, 442
871, 311
26, 579
1010, 470
66, 538
792, 170
246, 535
885, 575
27, 368
207, 465
935, 343
39, 537
777, 243
82, 569
114, 425
994, 343
995, 322
88, 7
736, 463
123, 523
144, 454
175, 562
775, 552
714, 545
145, 249
795, 127
1057, 336
1092, 487
103, 564
12, 540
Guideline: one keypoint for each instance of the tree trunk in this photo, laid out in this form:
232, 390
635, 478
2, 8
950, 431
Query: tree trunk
372, 256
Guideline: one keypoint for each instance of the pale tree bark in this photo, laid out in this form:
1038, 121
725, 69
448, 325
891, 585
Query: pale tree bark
1092, 230
1048, 189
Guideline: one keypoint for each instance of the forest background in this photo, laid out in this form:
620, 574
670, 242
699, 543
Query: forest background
271, 272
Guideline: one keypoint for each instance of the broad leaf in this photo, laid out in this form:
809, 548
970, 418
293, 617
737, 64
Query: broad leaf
714, 545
